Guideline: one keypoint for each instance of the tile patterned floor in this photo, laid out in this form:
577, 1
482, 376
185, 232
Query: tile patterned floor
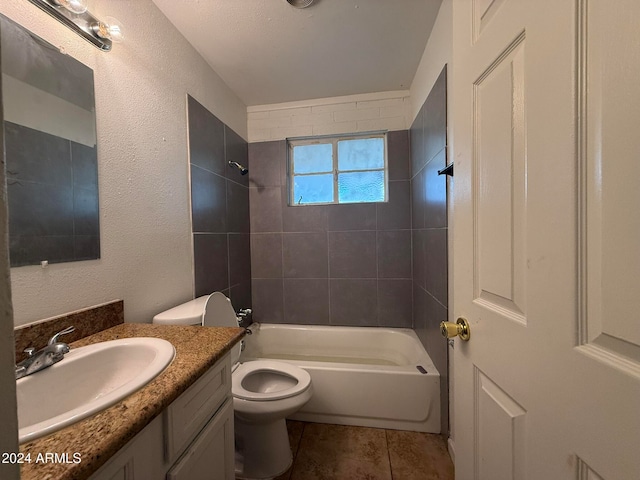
338, 452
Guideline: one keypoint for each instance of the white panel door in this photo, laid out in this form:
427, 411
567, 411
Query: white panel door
546, 249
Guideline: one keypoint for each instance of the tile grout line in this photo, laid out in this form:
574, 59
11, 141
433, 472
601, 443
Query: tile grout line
295, 454
304, 426
386, 438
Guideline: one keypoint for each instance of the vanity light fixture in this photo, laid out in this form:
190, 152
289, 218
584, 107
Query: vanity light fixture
74, 6
74, 14
109, 29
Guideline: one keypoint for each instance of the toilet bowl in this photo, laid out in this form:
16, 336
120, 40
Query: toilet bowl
264, 392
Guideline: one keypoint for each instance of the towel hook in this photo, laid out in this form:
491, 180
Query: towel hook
448, 170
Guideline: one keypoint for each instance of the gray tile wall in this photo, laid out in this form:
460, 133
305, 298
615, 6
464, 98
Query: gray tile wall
330, 264
429, 233
219, 208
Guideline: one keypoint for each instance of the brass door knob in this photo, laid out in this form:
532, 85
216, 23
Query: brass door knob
460, 328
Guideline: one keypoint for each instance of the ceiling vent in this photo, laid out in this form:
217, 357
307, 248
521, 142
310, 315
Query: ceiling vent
300, 3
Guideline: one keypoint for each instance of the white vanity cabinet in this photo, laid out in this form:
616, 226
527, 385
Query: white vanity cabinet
211, 455
191, 440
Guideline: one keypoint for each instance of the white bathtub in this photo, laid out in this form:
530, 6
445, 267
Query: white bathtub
364, 376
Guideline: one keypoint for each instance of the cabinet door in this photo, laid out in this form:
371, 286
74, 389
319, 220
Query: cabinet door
140, 459
211, 455
191, 411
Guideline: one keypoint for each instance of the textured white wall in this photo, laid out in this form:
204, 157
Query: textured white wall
438, 53
330, 116
141, 89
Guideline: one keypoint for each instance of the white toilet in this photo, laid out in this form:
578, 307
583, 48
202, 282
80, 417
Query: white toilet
264, 392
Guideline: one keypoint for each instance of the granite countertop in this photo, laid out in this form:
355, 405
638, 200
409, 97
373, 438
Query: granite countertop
100, 436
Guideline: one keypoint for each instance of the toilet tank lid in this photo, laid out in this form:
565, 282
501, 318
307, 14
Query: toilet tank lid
189, 313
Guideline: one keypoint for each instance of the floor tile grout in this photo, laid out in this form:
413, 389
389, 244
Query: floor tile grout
386, 437
412, 457
295, 454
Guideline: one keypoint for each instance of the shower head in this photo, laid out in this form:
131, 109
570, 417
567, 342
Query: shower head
243, 170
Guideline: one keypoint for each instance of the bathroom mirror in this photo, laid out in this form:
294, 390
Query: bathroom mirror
50, 151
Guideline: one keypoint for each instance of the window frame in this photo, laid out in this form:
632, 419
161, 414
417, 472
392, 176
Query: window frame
333, 140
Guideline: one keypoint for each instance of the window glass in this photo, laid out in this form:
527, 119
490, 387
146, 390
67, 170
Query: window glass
345, 169
361, 186
313, 158
361, 154
313, 189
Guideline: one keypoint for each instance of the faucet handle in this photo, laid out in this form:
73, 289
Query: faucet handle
30, 351
54, 339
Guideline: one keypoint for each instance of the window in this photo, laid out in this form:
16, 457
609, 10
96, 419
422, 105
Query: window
347, 169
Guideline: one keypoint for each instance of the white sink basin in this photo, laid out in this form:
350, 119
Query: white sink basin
88, 380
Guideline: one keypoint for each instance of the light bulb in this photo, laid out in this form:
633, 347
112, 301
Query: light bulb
74, 6
109, 28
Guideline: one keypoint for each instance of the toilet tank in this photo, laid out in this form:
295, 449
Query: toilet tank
189, 313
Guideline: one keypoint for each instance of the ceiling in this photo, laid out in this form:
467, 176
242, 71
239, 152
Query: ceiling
269, 52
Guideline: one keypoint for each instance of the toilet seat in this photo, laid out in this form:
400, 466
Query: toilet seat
218, 312
302, 378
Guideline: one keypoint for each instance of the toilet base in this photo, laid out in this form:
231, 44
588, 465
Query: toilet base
262, 450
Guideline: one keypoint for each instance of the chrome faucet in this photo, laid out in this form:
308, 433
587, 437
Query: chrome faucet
39, 360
